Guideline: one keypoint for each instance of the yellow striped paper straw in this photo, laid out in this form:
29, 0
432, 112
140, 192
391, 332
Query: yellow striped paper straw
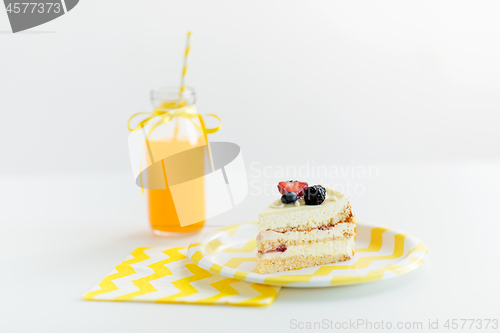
183, 87
185, 66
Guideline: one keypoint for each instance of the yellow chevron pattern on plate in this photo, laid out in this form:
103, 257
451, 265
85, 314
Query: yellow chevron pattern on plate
381, 253
166, 275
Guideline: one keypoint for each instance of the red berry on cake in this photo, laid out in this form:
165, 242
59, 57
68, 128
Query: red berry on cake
293, 186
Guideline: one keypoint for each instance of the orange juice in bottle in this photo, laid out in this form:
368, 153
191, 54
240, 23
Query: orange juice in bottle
162, 213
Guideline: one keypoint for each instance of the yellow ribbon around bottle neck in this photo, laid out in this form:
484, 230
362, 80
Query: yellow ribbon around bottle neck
167, 115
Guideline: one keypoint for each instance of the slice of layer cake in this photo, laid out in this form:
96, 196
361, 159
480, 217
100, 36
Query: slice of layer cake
309, 226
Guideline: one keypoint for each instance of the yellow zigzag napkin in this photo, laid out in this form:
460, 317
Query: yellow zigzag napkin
166, 275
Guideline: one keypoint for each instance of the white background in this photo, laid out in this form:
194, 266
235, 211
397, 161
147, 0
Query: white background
408, 87
385, 80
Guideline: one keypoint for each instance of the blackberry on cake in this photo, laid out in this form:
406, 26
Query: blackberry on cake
315, 195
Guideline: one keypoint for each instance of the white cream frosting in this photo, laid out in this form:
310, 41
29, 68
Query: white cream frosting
281, 217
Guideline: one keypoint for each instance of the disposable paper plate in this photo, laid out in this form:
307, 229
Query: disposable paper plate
381, 253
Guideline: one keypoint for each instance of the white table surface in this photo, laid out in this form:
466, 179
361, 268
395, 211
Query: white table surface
61, 234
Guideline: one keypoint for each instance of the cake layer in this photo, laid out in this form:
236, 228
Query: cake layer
299, 216
303, 220
271, 240
307, 255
